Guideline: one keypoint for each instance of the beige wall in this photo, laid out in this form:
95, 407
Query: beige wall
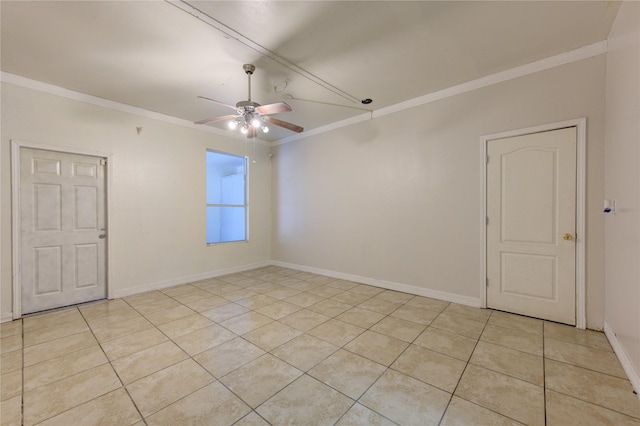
157, 229
398, 198
622, 162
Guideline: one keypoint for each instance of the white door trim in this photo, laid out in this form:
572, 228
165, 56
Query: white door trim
581, 127
16, 146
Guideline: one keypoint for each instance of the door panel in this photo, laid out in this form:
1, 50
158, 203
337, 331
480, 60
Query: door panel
531, 204
62, 214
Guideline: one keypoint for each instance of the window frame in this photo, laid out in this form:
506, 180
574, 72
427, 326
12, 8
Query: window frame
245, 205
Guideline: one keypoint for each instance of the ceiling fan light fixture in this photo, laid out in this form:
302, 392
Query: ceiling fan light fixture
265, 129
233, 124
255, 122
244, 130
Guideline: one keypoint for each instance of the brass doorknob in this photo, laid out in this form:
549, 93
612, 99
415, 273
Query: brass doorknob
567, 237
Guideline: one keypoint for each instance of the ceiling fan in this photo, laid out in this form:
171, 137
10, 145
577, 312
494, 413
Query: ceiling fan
250, 116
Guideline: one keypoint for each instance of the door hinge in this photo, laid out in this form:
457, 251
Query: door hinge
487, 220
487, 282
103, 161
487, 159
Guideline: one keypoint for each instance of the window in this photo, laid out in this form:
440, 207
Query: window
226, 198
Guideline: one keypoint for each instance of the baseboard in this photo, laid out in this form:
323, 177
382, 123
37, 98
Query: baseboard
627, 365
389, 285
6, 317
124, 292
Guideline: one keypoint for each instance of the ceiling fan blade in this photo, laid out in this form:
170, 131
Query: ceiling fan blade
284, 124
273, 108
218, 102
214, 119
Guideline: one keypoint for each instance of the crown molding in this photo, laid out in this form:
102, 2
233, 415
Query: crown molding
585, 52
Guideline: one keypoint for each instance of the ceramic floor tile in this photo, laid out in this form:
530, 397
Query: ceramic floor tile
11, 410
167, 386
458, 325
169, 314
225, 312
272, 335
597, 388
179, 290
516, 322
304, 319
469, 312
46, 334
278, 310
210, 302
399, 328
59, 347
367, 290
462, 413
321, 279
347, 372
381, 306
256, 302
50, 318
251, 419
511, 397
304, 286
10, 385
430, 367
351, 298
329, 307
508, 361
11, 361
213, 401
157, 306
132, 343
514, 339
204, 338
305, 401
428, 303
257, 381
217, 287
110, 409
342, 284
590, 338
122, 328
246, 322
146, 298
325, 291
228, 356
445, 342
305, 351
185, 325
10, 343
61, 367
415, 314
103, 307
113, 318
304, 300
193, 296
145, 362
563, 410
395, 296
282, 293
377, 347
55, 398
582, 356
359, 415
360, 317
405, 400
337, 332
11, 328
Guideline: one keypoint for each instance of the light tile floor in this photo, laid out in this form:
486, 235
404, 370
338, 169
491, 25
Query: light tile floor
278, 346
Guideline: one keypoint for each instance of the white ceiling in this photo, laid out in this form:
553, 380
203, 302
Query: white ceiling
157, 56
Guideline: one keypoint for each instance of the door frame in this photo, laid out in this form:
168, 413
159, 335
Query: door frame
581, 128
16, 241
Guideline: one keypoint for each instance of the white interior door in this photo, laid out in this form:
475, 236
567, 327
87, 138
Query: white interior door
62, 229
531, 214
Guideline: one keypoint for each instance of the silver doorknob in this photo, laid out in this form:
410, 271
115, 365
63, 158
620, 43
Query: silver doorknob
567, 237
102, 236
